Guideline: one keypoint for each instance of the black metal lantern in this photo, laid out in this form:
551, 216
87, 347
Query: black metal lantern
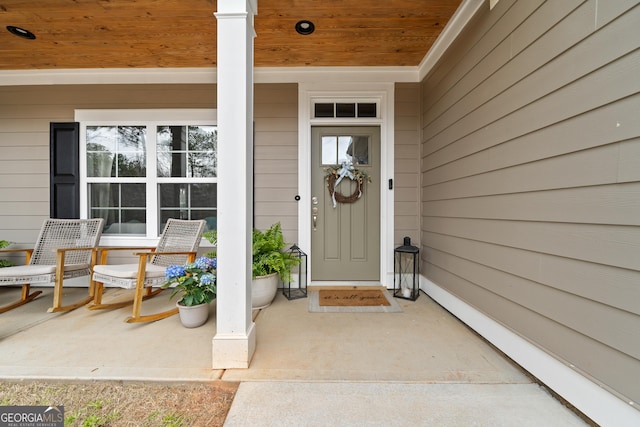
406, 271
297, 286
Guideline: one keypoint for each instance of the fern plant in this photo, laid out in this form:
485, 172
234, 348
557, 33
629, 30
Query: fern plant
4, 262
268, 255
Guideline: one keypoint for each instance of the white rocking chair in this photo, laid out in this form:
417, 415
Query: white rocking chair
178, 244
65, 249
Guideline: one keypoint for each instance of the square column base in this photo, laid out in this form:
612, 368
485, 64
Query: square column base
234, 350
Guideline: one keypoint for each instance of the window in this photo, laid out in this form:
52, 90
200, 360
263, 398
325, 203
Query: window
142, 167
337, 149
345, 109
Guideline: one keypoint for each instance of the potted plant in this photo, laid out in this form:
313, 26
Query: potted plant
196, 284
269, 264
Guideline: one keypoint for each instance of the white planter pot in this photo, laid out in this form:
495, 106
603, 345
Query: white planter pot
193, 316
263, 290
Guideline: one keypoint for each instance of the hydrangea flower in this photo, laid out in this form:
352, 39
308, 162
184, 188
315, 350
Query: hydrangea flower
174, 271
195, 281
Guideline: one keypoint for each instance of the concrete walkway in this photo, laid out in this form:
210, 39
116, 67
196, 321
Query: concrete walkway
421, 367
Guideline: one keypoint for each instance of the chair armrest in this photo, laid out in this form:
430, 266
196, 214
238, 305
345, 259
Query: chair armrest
75, 248
61, 252
191, 254
103, 251
165, 253
16, 250
145, 255
27, 253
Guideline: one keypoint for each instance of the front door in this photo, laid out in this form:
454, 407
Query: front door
345, 236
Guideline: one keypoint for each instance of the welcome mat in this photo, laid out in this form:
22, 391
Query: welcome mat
352, 300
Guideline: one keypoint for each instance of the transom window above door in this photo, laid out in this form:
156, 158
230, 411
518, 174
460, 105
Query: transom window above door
345, 109
147, 166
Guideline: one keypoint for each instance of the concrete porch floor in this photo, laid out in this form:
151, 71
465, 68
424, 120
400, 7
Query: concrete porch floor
418, 367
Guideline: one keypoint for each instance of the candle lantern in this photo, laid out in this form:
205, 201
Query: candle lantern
296, 287
406, 271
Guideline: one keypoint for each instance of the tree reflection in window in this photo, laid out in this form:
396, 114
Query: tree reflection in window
187, 151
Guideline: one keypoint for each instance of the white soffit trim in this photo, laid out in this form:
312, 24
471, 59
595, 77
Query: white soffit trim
91, 76
459, 20
335, 74
204, 75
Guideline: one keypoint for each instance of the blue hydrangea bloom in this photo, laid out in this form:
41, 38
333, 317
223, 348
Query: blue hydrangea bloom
204, 263
207, 279
174, 271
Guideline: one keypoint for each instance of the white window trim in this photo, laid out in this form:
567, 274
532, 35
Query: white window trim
175, 117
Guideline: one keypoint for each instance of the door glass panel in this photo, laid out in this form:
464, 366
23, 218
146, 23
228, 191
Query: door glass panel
339, 149
329, 150
358, 150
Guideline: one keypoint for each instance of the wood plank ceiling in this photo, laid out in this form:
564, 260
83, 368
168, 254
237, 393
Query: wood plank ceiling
182, 33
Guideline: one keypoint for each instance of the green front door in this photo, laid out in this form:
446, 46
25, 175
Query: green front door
345, 238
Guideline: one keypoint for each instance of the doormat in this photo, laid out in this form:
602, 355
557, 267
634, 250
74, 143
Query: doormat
352, 300
356, 297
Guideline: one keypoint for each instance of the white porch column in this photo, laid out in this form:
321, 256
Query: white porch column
234, 342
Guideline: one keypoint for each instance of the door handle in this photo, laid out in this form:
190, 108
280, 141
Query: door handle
314, 210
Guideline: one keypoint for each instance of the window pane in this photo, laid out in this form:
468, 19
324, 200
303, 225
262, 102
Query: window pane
116, 151
358, 150
367, 110
171, 151
343, 144
203, 141
133, 195
187, 151
101, 146
345, 110
204, 195
329, 150
121, 205
131, 164
323, 110
131, 148
188, 201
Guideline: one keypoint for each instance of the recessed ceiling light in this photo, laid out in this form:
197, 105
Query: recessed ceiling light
305, 27
21, 32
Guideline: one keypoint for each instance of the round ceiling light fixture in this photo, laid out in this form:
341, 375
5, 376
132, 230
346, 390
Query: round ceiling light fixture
21, 32
305, 27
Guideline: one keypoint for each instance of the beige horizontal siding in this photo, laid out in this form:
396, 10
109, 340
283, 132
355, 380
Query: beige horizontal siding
584, 279
581, 350
406, 162
530, 193
276, 158
601, 126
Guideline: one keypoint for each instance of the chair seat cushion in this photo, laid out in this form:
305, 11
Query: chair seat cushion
129, 271
37, 270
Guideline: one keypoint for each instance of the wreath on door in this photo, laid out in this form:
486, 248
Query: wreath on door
335, 175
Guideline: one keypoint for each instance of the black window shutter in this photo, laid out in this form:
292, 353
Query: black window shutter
64, 170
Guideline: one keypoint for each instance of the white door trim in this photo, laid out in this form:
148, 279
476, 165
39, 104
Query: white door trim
384, 94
